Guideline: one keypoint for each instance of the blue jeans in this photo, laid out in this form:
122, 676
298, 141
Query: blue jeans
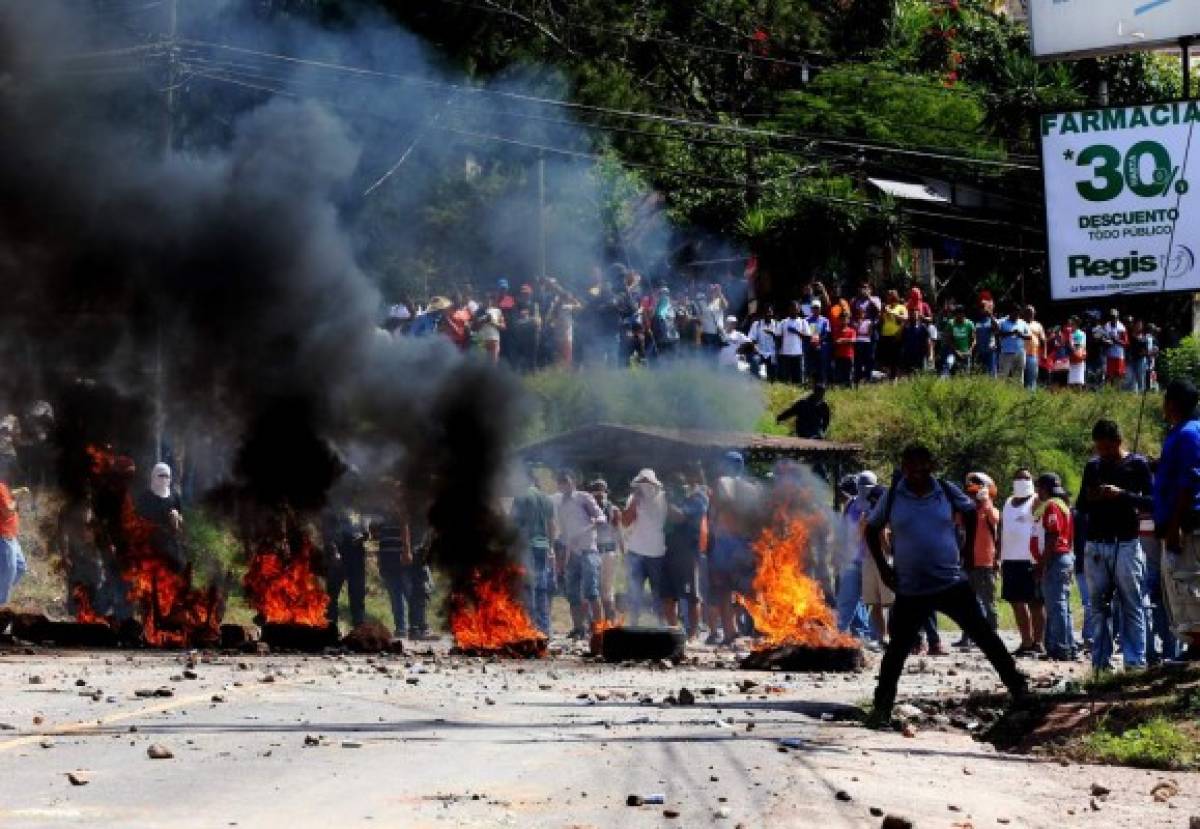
409, 587
1117, 570
642, 569
1135, 374
539, 576
1089, 622
582, 576
1158, 626
988, 361
1031, 372
1057, 575
12, 567
851, 612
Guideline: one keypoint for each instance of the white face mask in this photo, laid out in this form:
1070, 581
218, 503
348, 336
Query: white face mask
1023, 488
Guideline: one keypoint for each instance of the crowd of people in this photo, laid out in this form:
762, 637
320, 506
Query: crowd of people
854, 334
686, 543
1128, 544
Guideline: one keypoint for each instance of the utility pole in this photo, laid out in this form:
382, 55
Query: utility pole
542, 215
168, 145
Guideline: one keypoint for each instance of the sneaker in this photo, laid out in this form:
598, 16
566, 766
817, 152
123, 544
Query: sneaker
713, 638
878, 721
964, 642
1023, 650
939, 649
423, 636
918, 649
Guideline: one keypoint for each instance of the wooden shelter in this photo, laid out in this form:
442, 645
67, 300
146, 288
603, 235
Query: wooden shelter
619, 451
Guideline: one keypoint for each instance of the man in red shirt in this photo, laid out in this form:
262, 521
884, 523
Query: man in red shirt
1053, 548
12, 561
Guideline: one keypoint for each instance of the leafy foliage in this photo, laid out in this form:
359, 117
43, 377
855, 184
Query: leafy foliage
1157, 743
980, 424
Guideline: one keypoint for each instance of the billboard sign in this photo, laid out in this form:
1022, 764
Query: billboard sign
1073, 28
1121, 214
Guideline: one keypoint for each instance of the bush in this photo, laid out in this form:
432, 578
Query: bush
979, 424
1182, 361
1155, 744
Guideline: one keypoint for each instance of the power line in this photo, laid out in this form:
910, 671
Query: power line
562, 151
977, 242
673, 42
972, 220
256, 76
629, 114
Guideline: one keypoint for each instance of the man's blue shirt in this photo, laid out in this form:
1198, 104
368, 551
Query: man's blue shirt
1178, 471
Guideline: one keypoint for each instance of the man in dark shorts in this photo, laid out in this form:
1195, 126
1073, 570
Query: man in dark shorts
1021, 586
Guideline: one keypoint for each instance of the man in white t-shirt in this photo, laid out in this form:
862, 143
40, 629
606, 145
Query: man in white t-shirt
794, 331
645, 520
763, 331
734, 340
712, 318
1019, 583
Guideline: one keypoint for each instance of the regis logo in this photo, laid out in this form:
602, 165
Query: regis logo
1150, 6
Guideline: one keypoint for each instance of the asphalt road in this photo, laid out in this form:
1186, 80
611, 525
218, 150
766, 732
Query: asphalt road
424, 741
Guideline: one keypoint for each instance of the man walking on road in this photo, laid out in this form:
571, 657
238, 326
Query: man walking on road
927, 575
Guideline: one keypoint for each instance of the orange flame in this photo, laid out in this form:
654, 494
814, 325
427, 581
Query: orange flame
790, 607
606, 624
84, 611
286, 590
171, 611
491, 618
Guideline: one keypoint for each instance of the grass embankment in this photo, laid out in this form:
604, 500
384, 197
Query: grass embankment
1146, 719
979, 424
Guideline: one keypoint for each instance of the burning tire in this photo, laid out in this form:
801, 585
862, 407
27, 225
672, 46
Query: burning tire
623, 644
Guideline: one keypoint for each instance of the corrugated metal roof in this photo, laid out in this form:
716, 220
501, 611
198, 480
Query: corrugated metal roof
909, 191
614, 434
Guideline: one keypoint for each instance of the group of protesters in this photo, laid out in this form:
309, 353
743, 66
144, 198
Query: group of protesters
685, 541
851, 335
1128, 543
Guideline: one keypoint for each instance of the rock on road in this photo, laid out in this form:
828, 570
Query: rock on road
430, 740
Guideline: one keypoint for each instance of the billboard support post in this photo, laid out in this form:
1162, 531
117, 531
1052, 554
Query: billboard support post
1185, 51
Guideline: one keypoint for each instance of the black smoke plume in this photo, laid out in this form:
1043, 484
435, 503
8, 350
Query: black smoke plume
224, 271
